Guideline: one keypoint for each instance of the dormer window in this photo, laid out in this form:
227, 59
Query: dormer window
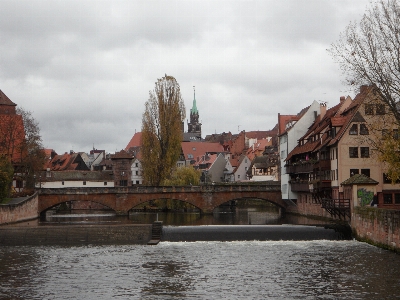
364, 129
354, 129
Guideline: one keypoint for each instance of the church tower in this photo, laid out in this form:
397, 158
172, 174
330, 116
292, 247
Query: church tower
194, 126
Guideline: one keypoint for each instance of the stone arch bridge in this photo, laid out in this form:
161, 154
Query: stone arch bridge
123, 199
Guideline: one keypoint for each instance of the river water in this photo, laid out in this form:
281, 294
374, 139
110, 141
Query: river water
202, 270
305, 269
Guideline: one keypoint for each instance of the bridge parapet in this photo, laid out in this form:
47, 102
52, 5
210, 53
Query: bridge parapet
158, 189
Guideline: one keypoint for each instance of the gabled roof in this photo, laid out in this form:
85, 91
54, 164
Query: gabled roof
283, 120
198, 149
4, 100
351, 111
319, 126
67, 162
206, 159
359, 179
136, 141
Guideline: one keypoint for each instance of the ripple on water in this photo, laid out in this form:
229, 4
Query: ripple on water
201, 270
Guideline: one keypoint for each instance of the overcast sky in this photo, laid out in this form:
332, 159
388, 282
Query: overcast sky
85, 68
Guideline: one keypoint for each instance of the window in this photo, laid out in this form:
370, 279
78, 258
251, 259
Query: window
354, 129
369, 109
387, 199
137, 172
238, 176
364, 129
62, 182
84, 183
136, 165
380, 109
283, 154
353, 152
353, 172
333, 132
137, 182
366, 172
123, 182
386, 178
396, 198
19, 184
364, 152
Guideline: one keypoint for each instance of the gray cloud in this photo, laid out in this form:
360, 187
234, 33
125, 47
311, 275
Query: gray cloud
85, 68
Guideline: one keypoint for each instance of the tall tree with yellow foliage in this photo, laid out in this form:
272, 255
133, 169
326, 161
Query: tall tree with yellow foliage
162, 131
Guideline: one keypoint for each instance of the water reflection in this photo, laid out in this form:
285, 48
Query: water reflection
257, 215
221, 216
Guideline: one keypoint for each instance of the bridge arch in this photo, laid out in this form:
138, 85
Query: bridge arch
278, 205
123, 199
143, 201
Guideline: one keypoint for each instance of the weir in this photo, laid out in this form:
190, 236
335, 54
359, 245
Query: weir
255, 232
150, 234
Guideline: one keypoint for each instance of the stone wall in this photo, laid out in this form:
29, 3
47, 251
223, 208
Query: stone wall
24, 210
380, 227
75, 235
306, 207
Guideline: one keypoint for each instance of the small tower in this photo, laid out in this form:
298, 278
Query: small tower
194, 126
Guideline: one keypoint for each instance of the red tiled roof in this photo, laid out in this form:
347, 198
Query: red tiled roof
284, 119
261, 134
198, 149
307, 147
64, 162
4, 100
258, 148
136, 141
121, 155
207, 159
338, 121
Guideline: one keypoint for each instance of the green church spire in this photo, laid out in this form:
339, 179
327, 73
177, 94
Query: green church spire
194, 108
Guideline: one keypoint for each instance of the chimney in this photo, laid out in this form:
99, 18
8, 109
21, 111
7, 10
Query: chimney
322, 109
342, 98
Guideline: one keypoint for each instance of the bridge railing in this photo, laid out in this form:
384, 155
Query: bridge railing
160, 189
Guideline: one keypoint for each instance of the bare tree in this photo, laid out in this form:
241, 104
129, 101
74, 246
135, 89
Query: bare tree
162, 131
368, 52
32, 152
